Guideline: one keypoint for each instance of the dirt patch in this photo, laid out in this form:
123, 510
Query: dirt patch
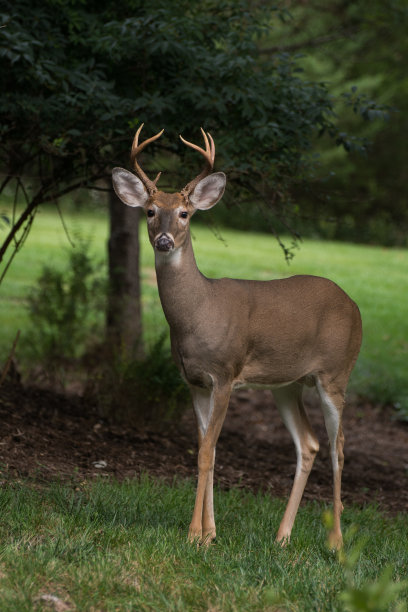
46, 435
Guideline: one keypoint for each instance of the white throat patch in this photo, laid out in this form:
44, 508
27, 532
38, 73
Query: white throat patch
172, 257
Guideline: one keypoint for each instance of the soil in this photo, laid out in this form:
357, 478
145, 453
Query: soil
45, 435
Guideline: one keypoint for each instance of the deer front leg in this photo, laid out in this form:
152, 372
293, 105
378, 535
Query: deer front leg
207, 533
208, 520
210, 407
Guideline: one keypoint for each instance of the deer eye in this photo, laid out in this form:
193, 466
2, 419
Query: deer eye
184, 214
150, 212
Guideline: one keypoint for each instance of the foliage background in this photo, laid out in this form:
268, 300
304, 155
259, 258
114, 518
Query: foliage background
78, 77
297, 98
359, 44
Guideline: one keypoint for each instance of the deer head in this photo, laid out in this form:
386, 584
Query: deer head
168, 214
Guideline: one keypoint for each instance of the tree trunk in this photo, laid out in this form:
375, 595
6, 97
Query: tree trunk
124, 324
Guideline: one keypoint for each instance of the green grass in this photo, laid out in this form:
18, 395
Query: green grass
47, 244
376, 278
122, 546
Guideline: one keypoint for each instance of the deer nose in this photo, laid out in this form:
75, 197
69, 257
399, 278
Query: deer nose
164, 243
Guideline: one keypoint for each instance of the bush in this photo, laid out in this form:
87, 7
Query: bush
66, 310
67, 319
144, 391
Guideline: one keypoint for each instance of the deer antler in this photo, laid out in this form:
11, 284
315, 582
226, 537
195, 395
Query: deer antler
209, 156
136, 150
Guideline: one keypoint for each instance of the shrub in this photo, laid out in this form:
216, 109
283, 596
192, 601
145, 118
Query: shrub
143, 391
67, 318
66, 310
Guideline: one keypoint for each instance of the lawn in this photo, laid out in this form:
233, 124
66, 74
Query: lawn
375, 277
122, 546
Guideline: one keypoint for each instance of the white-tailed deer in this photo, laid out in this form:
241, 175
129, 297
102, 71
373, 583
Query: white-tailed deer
227, 333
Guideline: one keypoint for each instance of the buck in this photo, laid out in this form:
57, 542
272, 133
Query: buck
225, 333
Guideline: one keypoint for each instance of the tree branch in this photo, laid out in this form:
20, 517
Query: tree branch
40, 198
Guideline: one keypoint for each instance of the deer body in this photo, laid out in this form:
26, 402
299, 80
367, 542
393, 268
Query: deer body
244, 344
225, 333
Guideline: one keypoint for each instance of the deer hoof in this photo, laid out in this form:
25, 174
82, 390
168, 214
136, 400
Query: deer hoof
283, 540
208, 538
194, 536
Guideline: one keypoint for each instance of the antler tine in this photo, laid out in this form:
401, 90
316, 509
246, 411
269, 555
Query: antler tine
212, 148
209, 156
136, 150
209, 153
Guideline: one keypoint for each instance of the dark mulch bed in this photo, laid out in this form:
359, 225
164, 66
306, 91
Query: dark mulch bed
46, 435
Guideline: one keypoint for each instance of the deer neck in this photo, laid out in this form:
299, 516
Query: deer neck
182, 287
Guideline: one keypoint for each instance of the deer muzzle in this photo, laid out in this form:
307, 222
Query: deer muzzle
164, 243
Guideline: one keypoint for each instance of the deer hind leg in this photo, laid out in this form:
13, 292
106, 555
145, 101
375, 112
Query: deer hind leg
332, 400
290, 405
210, 407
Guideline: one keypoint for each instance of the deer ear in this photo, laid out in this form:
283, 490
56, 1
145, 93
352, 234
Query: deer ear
129, 188
208, 191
